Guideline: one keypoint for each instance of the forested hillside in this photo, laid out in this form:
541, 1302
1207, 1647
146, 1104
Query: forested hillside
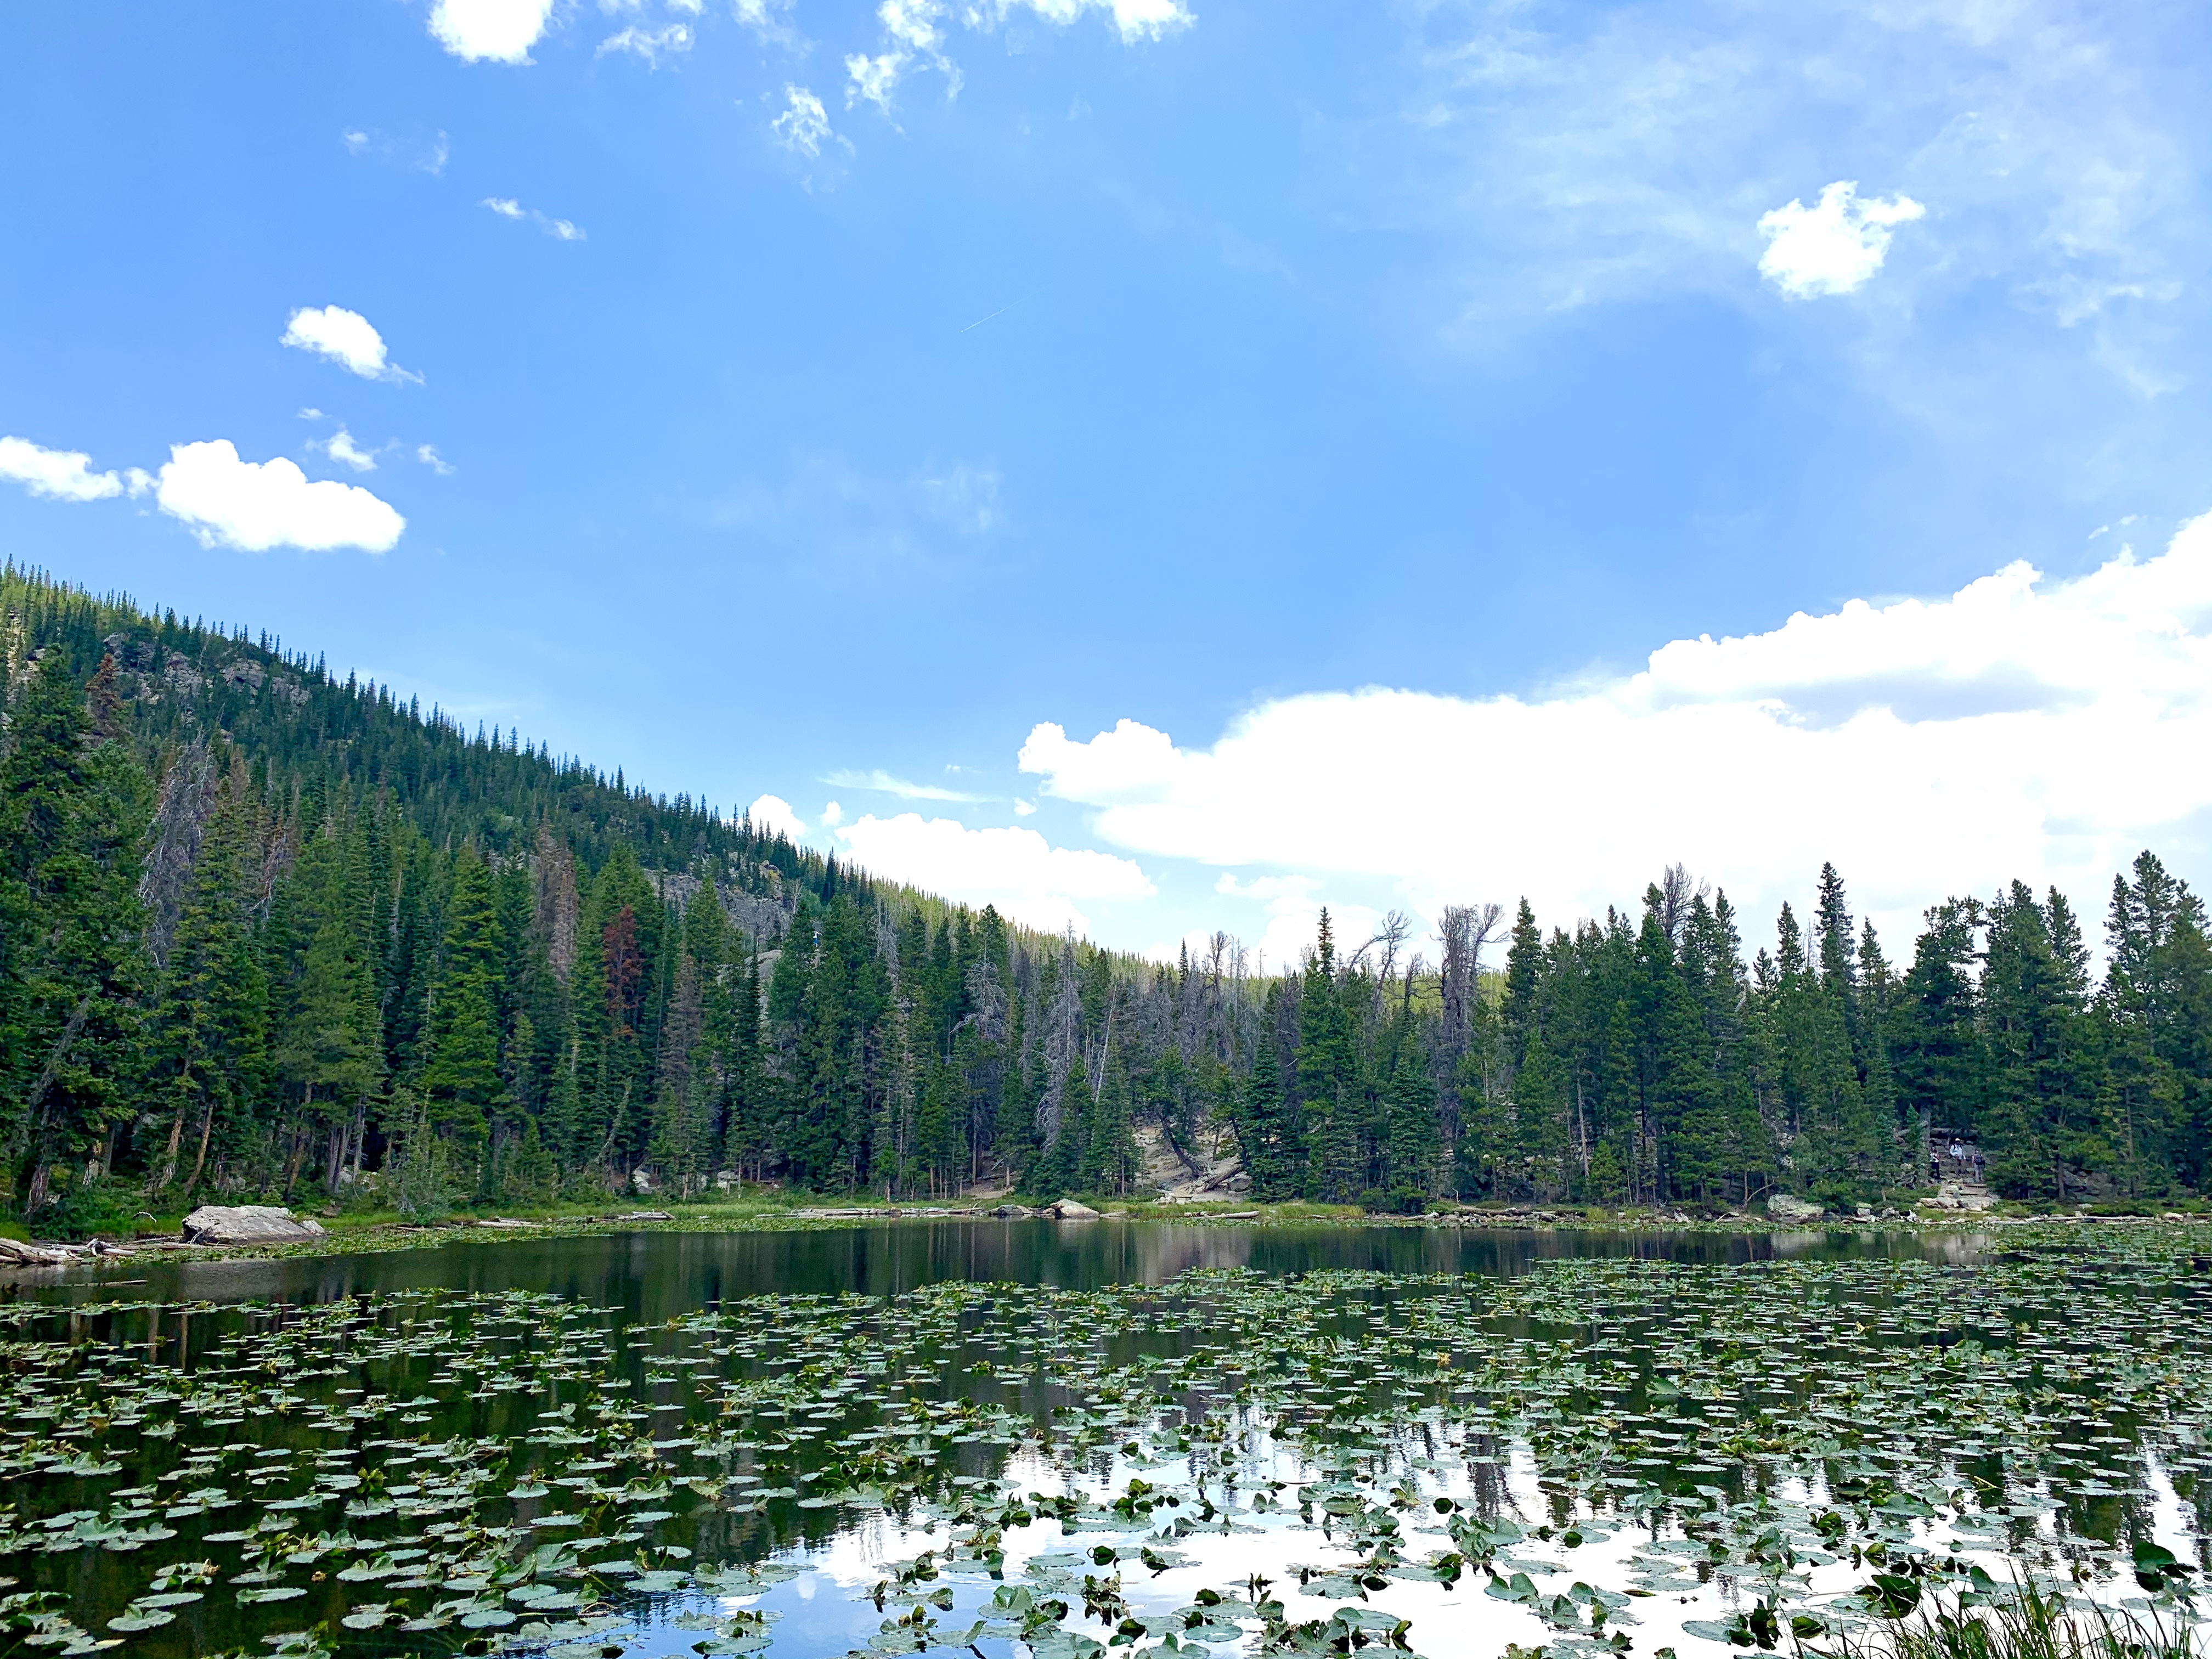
265, 932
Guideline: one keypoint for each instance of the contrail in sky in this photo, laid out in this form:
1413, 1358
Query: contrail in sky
1000, 311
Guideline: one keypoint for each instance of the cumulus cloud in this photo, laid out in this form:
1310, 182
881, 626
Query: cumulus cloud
2019, 728
772, 815
495, 31
258, 505
1029, 879
58, 474
347, 339
1834, 246
651, 45
804, 124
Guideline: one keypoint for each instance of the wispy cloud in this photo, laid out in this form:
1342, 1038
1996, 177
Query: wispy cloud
560, 229
340, 447
763, 17
804, 124
884, 783
651, 45
915, 34
425, 155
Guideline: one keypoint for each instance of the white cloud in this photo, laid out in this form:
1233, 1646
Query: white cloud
872, 78
912, 32
1565, 157
966, 497
772, 814
507, 207
425, 155
340, 447
833, 814
499, 31
59, 475
915, 38
651, 45
1134, 20
804, 124
2021, 727
427, 454
259, 505
347, 339
1017, 870
884, 781
1833, 246
760, 16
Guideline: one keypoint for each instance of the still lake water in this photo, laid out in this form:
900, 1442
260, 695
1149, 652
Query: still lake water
1032, 1437
655, 1275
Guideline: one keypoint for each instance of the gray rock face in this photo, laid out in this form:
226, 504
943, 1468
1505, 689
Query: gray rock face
1068, 1210
1782, 1207
249, 1224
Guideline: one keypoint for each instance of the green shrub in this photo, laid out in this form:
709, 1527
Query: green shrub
86, 1209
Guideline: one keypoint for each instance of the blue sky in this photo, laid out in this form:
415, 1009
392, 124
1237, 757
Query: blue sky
793, 401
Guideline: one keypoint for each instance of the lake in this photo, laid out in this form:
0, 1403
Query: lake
1057, 1438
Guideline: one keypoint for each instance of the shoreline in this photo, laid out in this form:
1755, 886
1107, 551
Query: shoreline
384, 1235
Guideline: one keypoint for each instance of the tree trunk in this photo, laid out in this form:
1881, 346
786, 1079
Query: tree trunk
199, 1159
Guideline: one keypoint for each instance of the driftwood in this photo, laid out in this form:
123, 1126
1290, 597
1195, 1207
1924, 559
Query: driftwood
14, 1252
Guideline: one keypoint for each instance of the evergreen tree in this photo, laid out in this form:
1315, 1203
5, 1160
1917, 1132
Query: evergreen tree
462, 1086
73, 811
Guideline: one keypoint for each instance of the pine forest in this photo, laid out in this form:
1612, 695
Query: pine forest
266, 933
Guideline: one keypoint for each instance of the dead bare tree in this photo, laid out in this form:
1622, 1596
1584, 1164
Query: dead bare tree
1677, 894
1467, 931
188, 790
1392, 932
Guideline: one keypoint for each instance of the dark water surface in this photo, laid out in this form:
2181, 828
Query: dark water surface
664, 1443
654, 1275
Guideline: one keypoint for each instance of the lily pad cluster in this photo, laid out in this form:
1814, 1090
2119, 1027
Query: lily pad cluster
1794, 1445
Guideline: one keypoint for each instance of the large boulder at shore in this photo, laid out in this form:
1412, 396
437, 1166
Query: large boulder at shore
1782, 1207
249, 1224
1068, 1210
